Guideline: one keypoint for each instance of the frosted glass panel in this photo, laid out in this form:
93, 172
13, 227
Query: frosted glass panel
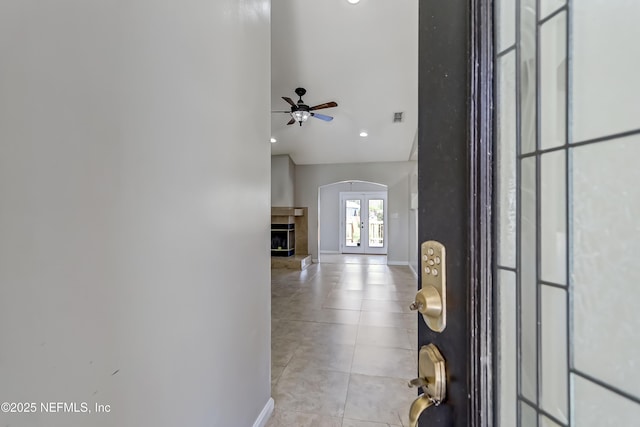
606, 277
553, 81
528, 75
506, 160
553, 220
546, 422
605, 64
549, 6
507, 340
596, 406
528, 415
506, 13
528, 292
554, 386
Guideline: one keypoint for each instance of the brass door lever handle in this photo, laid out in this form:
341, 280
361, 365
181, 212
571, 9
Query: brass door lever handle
417, 408
432, 380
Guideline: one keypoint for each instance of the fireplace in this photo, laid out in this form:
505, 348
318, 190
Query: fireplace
289, 237
283, 239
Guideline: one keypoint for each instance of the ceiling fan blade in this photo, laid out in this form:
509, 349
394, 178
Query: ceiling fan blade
292, 121
322, 117
293, 104
288, 112
325, 105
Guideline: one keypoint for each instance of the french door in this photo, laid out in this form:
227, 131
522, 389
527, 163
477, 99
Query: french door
363, 218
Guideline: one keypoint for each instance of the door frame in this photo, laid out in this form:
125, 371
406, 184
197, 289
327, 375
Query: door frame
482, 122
364, 196
456, 123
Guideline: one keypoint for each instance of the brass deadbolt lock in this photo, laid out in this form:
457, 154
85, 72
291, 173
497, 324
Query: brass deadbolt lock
430, 301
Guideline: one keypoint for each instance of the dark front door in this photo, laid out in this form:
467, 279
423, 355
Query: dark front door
454, 199
566, 201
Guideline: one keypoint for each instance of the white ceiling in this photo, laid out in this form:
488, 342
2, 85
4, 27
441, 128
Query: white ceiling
364, 57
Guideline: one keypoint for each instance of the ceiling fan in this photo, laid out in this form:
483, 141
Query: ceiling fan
300, 112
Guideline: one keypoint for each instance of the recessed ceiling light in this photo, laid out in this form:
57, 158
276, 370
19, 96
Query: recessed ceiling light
363, 134
273, 140
354, 1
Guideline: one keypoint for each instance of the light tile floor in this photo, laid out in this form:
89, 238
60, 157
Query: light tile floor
343, 344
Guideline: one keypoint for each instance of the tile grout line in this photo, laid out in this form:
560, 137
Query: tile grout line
353, 356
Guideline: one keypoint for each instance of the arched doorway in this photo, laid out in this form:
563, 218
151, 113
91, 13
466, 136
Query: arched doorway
352, 218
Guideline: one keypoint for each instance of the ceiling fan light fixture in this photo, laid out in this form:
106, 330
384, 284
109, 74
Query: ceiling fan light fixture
364, 134
300, 112
273, 140
300, 115
354, 1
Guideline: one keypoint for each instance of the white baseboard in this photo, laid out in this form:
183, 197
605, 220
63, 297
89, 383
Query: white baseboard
415, 273
397, 263
264, 416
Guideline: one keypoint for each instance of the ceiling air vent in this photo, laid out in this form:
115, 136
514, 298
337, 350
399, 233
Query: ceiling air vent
397, 117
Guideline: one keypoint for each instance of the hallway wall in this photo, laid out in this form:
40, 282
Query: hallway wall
283, 175
125, 179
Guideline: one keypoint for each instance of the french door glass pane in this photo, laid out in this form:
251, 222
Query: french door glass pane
376, 223
528, 282
605, 276
549, 6
528, 416
528, 75
507, 338
605, 86
597, 406
553, 81
352, 222
553, 217
506, 160
554, 385
546, 422
506, 13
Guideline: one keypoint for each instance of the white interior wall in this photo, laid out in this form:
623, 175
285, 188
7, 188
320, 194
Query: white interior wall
329, 219
282, 181
123, 169
309, 178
